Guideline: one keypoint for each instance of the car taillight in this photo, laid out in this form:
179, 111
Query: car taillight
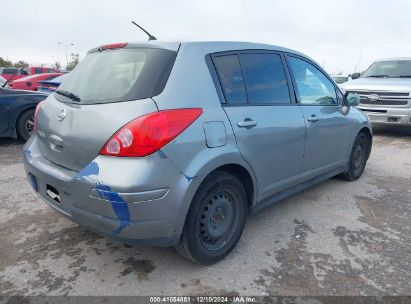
39, 105
149, 133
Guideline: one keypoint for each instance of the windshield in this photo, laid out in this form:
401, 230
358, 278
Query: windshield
391, 69
118, 75
10, 71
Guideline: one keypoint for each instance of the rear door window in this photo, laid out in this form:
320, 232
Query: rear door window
38, 70
231, 78
265, 79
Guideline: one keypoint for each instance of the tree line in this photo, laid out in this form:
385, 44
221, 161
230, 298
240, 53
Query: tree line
21, 64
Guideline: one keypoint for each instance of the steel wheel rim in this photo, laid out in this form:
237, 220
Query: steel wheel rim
358, 157
218, 219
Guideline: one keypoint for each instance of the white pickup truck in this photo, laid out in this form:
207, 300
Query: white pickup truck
384, 90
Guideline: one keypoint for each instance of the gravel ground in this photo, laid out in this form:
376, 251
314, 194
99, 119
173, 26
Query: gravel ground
338, 238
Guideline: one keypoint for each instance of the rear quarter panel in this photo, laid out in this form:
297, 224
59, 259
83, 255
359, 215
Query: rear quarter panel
190, 85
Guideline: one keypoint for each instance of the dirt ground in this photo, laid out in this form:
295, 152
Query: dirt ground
338, 238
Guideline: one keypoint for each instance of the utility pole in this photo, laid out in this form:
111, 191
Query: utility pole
359, 62
66, 47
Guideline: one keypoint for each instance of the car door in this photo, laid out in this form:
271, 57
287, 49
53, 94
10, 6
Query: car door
4, 112
268, 125
328, 128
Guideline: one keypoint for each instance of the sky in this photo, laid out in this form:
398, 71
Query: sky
343, 36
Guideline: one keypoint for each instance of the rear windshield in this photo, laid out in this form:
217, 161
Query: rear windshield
119, 75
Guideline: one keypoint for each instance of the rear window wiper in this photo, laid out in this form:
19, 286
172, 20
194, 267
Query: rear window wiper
378, 76
68, 94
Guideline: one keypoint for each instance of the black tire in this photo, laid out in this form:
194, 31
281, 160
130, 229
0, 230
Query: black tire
358, 158
25, 125
215, 220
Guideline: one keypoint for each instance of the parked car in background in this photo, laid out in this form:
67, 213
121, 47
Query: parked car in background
339, 79
17, 112
384, 90
31, 82
49, 86
17, 73
40, 70
13, 73
185, 159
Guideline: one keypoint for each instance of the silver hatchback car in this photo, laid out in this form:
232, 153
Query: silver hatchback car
174, 144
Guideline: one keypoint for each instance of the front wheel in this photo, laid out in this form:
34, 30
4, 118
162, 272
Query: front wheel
215, 220
25, 125
358, 158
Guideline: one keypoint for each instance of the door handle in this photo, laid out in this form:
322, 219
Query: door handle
313, 118
247, 123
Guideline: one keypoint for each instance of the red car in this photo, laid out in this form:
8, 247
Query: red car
31, 82
13, 74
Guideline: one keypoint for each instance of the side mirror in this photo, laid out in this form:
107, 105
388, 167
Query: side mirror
351, 99
355, 75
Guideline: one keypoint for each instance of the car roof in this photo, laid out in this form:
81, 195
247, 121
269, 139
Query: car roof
395, 59
20, 92
210, 46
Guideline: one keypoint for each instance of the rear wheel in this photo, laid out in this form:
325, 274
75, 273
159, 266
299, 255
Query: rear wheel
25, 125
215, 220
358, 158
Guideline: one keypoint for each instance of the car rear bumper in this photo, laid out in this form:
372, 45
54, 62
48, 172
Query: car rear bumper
135, 200
386, 115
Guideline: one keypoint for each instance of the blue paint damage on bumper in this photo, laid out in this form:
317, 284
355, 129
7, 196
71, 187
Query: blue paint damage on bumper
120, 207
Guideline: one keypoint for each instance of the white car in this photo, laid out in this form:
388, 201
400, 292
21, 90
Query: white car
384, 90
